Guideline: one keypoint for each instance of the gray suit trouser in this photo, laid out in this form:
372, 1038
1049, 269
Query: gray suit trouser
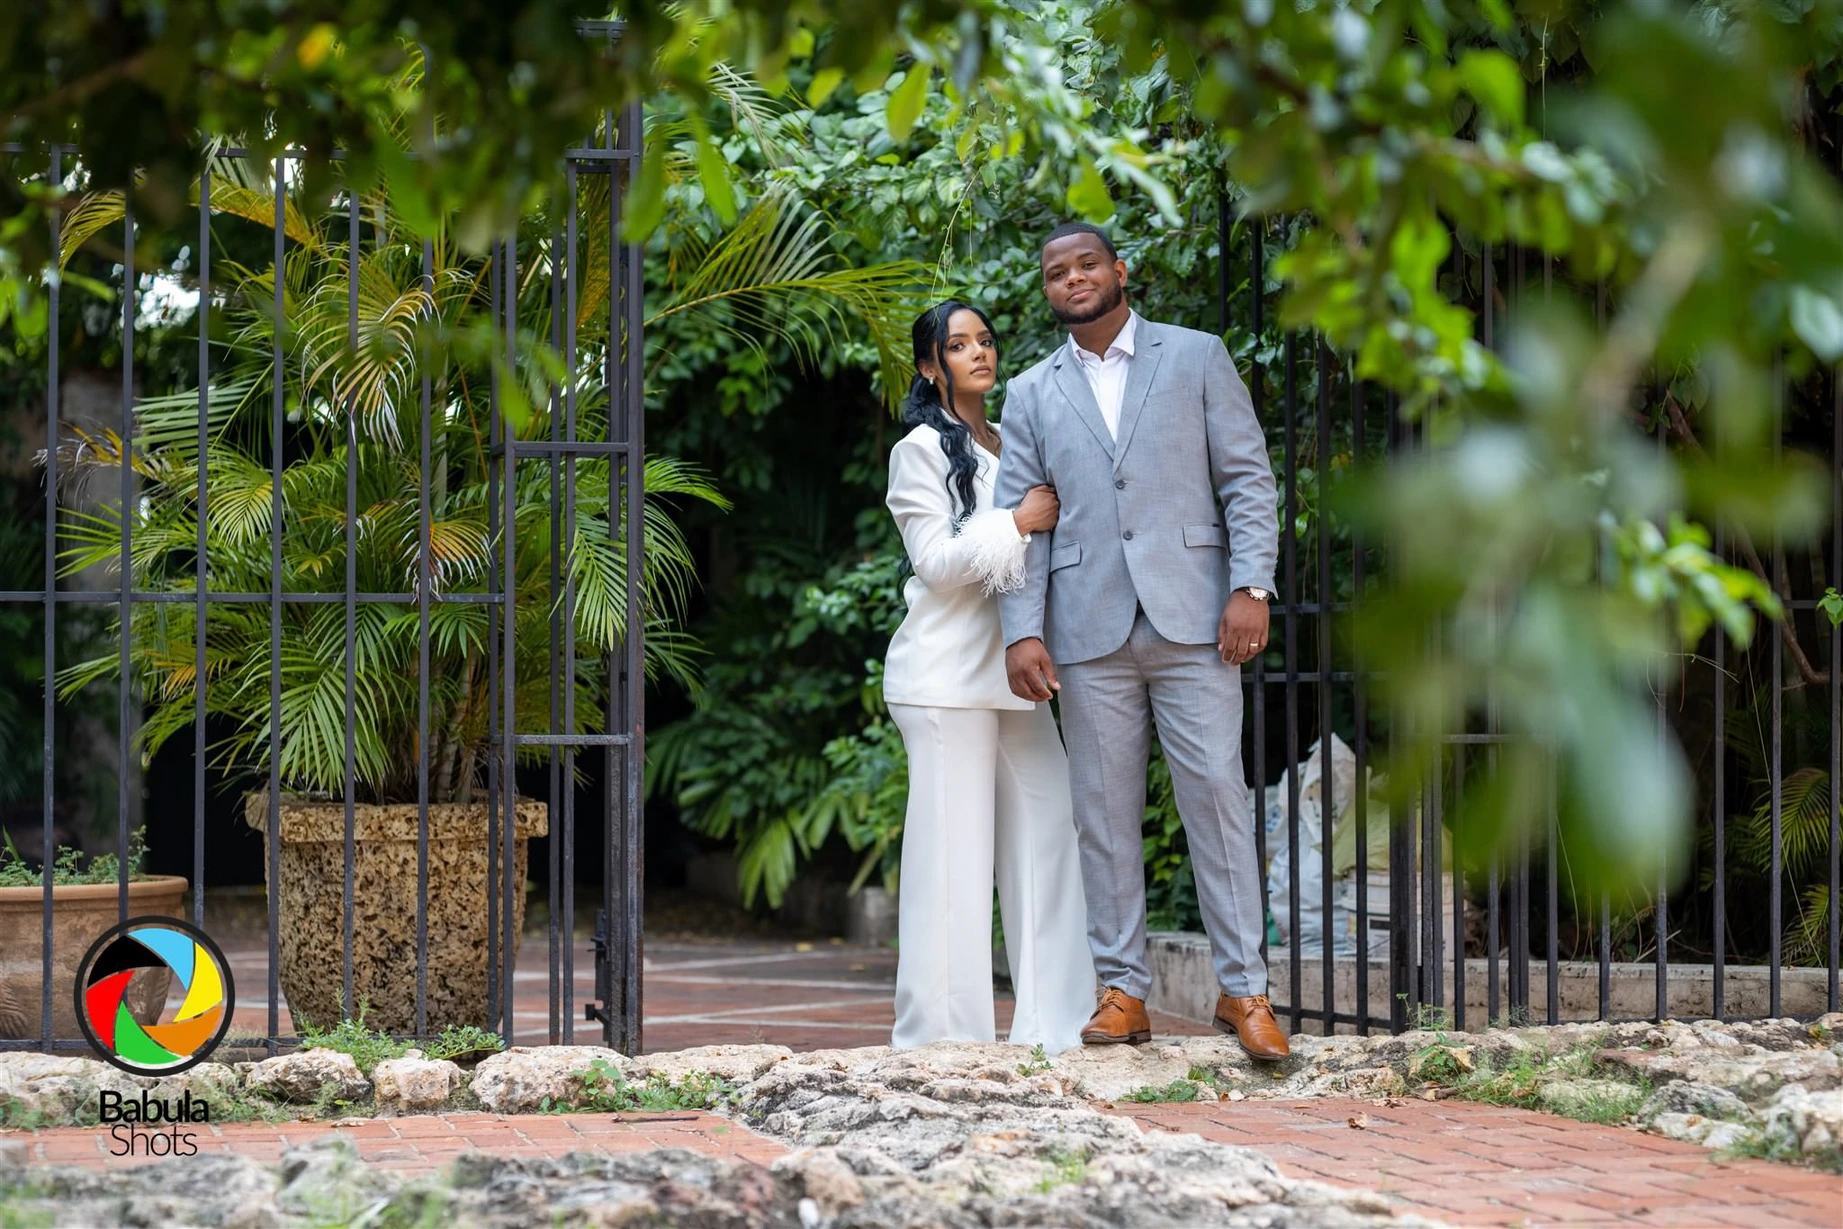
1108, 708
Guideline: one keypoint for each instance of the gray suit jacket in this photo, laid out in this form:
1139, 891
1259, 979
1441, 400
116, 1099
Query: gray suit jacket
1173, 516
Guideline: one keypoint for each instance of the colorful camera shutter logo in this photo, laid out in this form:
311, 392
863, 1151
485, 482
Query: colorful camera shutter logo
180, 1037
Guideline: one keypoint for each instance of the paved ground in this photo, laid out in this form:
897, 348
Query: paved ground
1484, 1165
1463, 1164
803, 995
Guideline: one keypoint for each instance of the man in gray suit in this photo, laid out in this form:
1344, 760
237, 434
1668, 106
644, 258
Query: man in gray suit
1141, 606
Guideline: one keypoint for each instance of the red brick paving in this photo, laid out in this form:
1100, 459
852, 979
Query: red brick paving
426, 1143
803, 995
1485, 1165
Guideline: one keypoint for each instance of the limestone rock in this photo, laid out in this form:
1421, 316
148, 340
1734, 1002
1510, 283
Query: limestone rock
324, 1181
54, 1090
521, 1079
735, 1063
213, 1082
1107, 1073
824, 1177
409, 1085
1806, 1120
1688, 1097
307, 1076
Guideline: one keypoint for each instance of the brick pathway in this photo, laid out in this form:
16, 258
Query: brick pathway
803, 995
1484, 1165
429, 1142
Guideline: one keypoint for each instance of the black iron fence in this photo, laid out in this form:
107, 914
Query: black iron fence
1510, 940
464, 568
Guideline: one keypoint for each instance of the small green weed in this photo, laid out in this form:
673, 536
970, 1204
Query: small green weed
605, 1089
369, 1047
1176, 1090
1038, 1064
1069, 1167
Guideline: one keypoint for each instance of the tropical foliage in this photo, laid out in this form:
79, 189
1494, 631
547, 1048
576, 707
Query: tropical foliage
418, 374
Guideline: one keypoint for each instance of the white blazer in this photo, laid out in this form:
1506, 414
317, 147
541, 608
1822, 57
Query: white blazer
950, 651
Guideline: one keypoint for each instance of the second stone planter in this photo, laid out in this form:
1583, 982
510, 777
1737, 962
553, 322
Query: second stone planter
384, 909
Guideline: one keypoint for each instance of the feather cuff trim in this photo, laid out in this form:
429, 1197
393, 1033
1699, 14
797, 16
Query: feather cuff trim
994, 549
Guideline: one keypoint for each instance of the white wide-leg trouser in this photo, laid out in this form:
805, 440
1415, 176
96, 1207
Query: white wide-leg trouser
989, 793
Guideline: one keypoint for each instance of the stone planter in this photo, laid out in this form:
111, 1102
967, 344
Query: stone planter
384, 908
80, 912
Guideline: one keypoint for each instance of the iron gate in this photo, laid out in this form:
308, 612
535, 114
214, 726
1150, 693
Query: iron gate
531, 476
1420, 962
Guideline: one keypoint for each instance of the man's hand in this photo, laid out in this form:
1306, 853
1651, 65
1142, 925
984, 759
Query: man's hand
1032, 674
1240, 636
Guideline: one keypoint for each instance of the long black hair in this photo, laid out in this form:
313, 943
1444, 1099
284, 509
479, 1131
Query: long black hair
924, 407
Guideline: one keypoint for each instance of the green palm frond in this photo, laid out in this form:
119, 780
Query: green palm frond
1805, 811
774, 275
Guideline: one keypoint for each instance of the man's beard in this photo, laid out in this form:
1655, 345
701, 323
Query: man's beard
1109, 299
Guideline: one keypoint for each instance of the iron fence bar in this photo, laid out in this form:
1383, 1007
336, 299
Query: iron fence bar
1836, 656
633, 400
277, 421
1291, 541
125, 565
49, 767
1360, 732
1663, 738
496, 473
1458, 953
1433, 814
1718, 803
554, 761
568, 742
1519, 887
423, 534
201, 567
1257, 392
1404, 987
1327, 815
495, 985
1606, 904
1493, 889
1776, 764
349, 853
570, 288
510, 880
1493, 982
1553, 987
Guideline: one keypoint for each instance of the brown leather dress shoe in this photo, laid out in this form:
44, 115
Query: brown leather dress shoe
1251, 1020
1119, 1020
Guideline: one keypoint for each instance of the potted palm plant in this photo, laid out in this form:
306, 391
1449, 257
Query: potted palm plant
362, 410
772, 275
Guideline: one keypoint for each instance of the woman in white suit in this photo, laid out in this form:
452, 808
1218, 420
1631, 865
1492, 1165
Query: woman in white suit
988, 778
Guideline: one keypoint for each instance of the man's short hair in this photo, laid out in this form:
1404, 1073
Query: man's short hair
1080, 228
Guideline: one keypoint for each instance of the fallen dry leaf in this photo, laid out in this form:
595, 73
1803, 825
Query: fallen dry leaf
1358, 1122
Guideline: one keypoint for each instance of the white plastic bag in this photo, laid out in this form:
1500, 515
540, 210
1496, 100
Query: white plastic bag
1311, 829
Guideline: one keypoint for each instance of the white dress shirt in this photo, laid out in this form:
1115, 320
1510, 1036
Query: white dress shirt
1107, 372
